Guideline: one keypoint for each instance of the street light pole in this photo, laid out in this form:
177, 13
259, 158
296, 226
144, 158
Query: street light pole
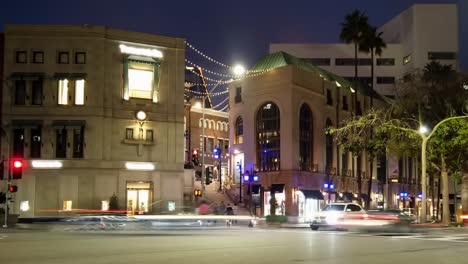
203, 148
425, 139
240, 182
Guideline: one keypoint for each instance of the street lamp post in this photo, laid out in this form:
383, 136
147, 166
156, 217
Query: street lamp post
425, 139
203, 147
240, 181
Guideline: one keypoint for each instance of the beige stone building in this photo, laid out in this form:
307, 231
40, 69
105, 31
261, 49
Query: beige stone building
94, 111
278, 117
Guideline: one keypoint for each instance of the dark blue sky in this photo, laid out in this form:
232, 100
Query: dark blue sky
230, 31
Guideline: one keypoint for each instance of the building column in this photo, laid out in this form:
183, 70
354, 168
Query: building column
291, 207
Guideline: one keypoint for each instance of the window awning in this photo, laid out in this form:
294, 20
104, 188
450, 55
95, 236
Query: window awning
313, 194
26, 123
27, 76
69, 76
277, 188
140, 59
72, 124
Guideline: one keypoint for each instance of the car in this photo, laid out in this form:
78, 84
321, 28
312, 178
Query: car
393, 216
335, 214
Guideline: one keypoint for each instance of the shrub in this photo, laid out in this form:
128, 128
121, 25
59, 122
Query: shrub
276, 218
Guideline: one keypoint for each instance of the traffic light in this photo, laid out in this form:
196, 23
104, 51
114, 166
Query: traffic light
208, 176
195, 157
12, 188
17, 168
197, 192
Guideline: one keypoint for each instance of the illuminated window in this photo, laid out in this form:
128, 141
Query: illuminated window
79, 92
140, 83
67, 205
104, 205
63, 92
24, 206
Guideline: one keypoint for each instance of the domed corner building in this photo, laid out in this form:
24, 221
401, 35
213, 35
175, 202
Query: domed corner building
279, 113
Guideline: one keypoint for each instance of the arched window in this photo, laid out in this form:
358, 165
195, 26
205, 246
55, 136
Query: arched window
268, 137
328, 148
239, 133
306, 138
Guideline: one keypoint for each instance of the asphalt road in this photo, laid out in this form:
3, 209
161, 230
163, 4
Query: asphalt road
235, 245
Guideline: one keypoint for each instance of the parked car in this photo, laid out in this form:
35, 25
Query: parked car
336, 213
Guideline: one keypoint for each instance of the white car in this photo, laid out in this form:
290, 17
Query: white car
337, 213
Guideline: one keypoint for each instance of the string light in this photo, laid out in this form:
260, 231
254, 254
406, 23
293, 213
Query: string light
206, 56
208, 71
210, 94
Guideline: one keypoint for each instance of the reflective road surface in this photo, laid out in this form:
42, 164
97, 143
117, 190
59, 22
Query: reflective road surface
234, 245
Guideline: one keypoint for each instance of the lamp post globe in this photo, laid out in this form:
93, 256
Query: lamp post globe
141, 115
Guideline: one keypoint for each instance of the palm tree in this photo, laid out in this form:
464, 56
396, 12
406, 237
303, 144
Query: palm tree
372, 43
352, 31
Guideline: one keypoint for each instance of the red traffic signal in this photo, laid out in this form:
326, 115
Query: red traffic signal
12, 188
17, 170
194, 152
17, 164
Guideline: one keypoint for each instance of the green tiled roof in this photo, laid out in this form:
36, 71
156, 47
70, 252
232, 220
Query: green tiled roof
281, 59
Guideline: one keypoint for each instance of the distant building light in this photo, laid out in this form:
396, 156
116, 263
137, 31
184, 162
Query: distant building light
144, 166
46, 164
141, 51
465, 86
255, 178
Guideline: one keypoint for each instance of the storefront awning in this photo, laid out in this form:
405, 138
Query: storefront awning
348, 196
27, 76
72, 124
313, 194
255, 189
69, 76
277, 188
140, 59
25, 123
364, 197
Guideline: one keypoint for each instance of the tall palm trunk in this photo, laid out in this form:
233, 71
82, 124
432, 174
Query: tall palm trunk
369, 187
359, 181
445, 192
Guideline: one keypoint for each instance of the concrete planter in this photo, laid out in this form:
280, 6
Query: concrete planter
12, 219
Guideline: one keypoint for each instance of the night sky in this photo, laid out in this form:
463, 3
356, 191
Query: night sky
229, 31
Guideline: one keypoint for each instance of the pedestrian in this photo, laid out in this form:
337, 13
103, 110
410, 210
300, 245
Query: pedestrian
203, 209
229, 210
222, 208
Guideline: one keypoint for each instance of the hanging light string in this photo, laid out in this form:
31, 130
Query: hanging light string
209, 94
224, 108
222, 102
196, 84
208, 71
210, 79
206, 56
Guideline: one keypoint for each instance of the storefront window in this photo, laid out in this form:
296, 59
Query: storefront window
141, 78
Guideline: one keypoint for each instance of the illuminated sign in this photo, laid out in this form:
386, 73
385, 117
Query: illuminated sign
139, 166
46, 164
141, 51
